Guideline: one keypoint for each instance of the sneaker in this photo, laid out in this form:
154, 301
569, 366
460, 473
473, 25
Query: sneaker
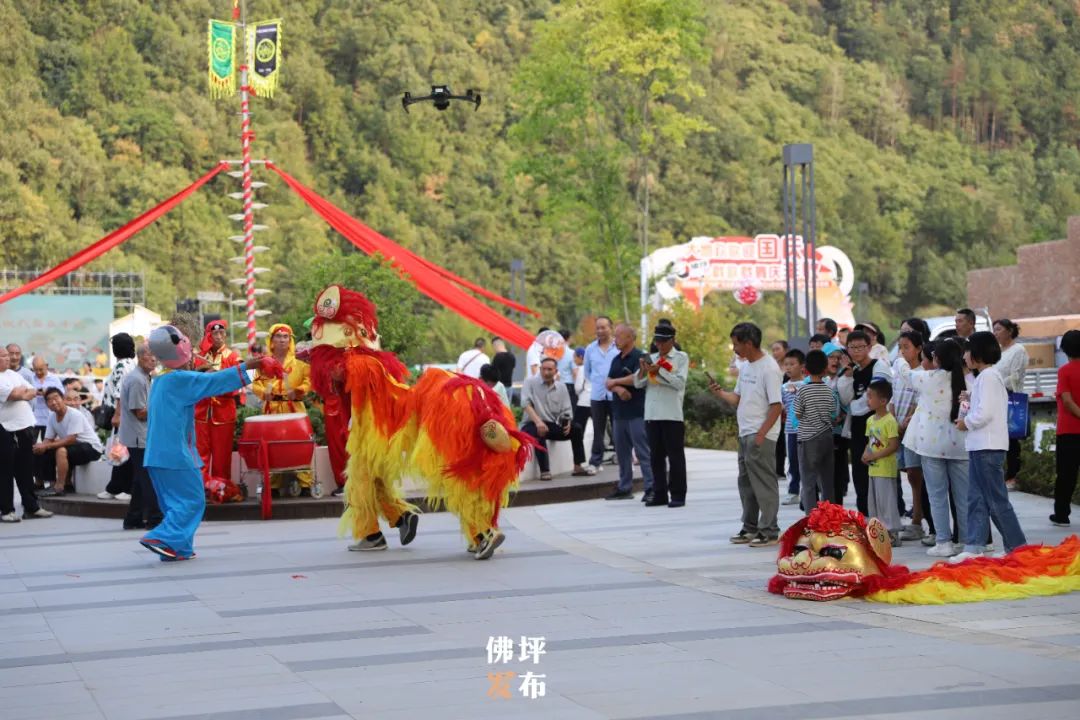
370, 544
740, 538
676, 504
156, 546
591, 469
10, 517
894, 538
492, 539
474, 545
957, 559
338, 492
911, 532
763, 541
123, 496
105, 495
791, 500
942, 550
620, 495
657, 502
648, 497
407, 527
39, 513
1059, 521
929, 539
52, 492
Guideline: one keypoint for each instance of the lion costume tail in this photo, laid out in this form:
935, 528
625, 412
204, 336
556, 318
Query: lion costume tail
1028, 571
467, 447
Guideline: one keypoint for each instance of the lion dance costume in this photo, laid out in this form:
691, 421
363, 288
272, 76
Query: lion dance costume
449, 431
835, 553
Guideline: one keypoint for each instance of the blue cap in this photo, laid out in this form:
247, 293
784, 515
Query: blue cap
580, 352
830, 347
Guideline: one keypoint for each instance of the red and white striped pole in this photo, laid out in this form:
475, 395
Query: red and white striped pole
245, 159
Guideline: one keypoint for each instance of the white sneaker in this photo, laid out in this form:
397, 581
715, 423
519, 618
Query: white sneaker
942, 549
105, 495
791, 500
929, 540
10, 517
591, 469
122, 496
955, 559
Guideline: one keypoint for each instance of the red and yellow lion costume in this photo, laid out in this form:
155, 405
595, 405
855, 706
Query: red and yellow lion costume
450, 431
834, 553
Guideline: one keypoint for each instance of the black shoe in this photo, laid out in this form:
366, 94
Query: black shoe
648, 497
620, 495
657, 502
1060, 522
407, 527
135, 526
676, 503
338, 492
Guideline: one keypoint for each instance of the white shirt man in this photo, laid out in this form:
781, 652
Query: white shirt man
470, 361
16, 442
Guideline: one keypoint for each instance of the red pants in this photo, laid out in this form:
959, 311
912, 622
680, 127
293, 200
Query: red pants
337, 434
215, 443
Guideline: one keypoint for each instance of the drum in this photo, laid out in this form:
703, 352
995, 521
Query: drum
290, 441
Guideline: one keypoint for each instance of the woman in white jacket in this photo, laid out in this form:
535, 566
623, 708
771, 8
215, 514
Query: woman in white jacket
1012, 367
933, 435
987, 426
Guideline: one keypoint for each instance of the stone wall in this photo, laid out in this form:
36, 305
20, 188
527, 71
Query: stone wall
1045, 280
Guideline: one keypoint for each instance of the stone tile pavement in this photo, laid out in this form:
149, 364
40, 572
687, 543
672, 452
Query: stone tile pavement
646, 613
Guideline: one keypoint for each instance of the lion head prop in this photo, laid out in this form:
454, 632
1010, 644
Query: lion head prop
835, 553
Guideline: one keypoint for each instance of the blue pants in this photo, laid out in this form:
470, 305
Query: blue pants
987, 493
182, 499
792, 442
631, 434
942, 477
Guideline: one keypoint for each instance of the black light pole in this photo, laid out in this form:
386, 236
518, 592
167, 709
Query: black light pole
798, 200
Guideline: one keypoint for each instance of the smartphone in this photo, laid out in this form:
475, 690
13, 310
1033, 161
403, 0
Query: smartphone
712, 380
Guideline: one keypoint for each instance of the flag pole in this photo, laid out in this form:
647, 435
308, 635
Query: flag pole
240, 17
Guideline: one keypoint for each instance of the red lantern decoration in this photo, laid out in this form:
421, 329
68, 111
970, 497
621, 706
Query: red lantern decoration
747, 294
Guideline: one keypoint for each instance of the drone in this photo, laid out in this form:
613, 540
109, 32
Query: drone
441, 95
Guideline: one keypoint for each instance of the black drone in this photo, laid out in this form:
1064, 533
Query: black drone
441, 95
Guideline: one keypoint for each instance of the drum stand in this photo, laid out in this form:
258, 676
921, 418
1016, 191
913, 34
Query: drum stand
263, 446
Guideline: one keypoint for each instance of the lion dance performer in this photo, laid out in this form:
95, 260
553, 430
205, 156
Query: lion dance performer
215, 417
835, 553
450, 431
171, 457
281, 395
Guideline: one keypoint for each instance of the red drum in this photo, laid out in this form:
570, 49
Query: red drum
290, 441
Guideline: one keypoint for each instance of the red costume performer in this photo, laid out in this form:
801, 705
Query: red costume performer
337, 409
215, 417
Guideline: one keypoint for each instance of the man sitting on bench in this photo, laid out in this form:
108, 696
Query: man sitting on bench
70, 440
549, 415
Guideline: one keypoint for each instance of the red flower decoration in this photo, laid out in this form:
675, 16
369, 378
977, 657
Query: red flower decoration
829, 518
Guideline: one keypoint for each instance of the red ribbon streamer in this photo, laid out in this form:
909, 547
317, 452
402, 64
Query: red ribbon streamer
116, 237
430, 279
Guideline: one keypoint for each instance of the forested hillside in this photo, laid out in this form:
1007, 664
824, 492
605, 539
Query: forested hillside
946, 133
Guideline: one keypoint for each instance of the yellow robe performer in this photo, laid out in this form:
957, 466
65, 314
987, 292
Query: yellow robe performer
286, 394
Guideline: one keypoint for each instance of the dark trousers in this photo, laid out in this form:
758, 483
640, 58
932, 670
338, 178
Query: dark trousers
577, 441
1012, 460
17, 468
781, 454
600, 410
554, 434
41, 467
926, 511
143, 507
860, 471
1068, 465
841, 473
792, 442
667, 440
121, 480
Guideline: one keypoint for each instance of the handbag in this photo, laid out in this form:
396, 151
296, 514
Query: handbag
103, 415
116, 453
1019, 416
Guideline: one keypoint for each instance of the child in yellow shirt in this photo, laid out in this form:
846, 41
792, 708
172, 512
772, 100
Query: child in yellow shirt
883, 440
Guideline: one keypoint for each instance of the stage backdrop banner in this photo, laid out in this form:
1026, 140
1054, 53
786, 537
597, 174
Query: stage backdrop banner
221, 46
264, 61
67, 330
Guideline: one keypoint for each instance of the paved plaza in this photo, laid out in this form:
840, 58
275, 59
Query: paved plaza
644, 613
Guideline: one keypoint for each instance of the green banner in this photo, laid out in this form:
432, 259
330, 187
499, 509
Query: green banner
221, 44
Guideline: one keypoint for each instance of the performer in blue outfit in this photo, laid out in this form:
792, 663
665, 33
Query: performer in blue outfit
171, 455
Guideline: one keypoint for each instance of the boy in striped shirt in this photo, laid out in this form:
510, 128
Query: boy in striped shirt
815, 408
